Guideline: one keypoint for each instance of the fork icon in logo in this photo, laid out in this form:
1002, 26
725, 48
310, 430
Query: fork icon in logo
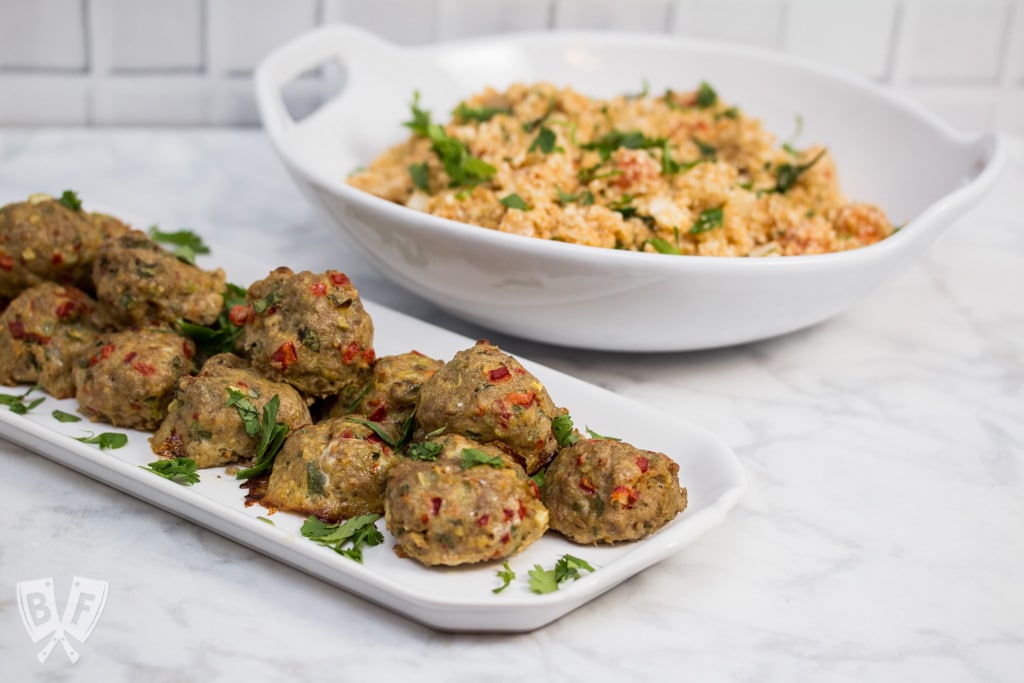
38, 609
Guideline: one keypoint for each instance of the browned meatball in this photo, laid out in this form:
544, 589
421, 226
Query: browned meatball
138, 283
127, 378
309, 330
203, 425
390, 397
42, 239
460, 510
606, 491
487, 395
335, 469
43, 332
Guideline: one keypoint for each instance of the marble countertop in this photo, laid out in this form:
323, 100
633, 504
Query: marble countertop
882, 537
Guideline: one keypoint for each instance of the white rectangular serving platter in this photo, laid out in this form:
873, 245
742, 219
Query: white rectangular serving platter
450, 599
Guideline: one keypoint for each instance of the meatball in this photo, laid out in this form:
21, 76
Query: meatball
390, 397
459, 510
485, 394
138, 282
309, 330
202, 422
43, 332
127, 378
335, 469
43, 239
606, 491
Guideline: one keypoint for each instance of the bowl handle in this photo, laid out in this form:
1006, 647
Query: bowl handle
350, 46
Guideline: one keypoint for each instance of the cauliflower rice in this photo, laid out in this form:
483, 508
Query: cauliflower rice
679, 173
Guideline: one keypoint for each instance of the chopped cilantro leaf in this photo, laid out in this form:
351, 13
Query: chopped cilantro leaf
566, 567
583, 197
611, 141
16, 402
471, 457
178, 470
377, 428
506, 575
514, 201
478, 114
61, 416
564, 430
186, 243
663, 246
272, 435
709, 219
594, 435
462, 168
424, 450
545, 142
706, 95
222, 335
787, 174
105, 440
420, 176
70, 199
347, 538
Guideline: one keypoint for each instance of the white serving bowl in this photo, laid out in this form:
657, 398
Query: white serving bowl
888, 152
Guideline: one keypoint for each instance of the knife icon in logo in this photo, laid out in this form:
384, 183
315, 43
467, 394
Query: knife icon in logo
38, 608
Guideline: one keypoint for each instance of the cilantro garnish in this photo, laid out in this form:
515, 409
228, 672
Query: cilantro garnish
478, 114
564, 430
663, 246
462, 167
709, 219
377, 429
266, 520
70, 199
420, 176
594, 435
514, 201
355, 533
708, 152
583, 197
61, 416
539, 477
178, 470
787, 174
186, 243
611, 141
471, 457
424, 450
270, 432
222, 335
706, 96
506, 575
566, 567
105, 440
545, 142
16, 402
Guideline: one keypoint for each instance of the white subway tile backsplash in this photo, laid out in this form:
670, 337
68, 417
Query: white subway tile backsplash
751, 22
44, 100
144, 35
955, 39
190, 61
401, 21
635, 15
242, 32
467, 18
43, 34
854, 36
140, 100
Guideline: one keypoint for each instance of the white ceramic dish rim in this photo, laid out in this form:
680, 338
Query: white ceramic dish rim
507, 613
330, 41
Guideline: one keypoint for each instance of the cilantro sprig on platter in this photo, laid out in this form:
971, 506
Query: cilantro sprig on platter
265, 426
566, 567
347, 538
179, 470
